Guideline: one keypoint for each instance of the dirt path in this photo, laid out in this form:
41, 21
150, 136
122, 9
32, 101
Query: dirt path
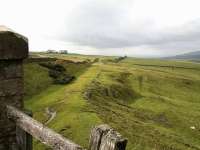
51, 114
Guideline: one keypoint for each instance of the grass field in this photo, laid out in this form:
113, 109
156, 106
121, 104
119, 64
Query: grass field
154, 103
36, 79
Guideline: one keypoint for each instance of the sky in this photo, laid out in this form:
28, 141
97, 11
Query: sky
140, 28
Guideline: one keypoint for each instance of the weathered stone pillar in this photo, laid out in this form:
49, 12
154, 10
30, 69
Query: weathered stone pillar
13, 49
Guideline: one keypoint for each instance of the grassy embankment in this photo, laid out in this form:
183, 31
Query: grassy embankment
155, 107
151, 102
66, 100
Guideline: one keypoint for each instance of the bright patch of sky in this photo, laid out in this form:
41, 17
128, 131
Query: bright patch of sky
107, 27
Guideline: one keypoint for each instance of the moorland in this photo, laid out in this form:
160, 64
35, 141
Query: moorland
154, 103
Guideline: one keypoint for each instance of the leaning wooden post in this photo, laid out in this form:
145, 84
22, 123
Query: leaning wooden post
13, 49
40, 132
103, 137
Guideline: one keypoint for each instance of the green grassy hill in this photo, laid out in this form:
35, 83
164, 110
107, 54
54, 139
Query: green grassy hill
154, 103
190, 55
36, 79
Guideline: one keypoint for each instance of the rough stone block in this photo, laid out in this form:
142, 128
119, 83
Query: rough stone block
12, 44
11, 87
10, 69
1, 90
7, 127
15, 100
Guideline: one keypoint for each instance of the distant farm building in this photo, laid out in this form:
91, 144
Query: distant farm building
63, 52
51, 51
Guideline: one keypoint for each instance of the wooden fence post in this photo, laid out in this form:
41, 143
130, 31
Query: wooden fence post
103, 137
39, 131
13, 49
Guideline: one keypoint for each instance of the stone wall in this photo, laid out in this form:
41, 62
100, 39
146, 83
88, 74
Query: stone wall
13, 49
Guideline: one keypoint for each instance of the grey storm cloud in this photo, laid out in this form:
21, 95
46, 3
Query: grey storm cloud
100, 25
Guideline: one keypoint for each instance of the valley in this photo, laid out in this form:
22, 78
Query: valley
154, 103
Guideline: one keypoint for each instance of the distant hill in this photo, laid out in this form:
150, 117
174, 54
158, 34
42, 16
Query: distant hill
191, 55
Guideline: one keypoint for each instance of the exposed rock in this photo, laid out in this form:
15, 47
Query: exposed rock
12, 44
